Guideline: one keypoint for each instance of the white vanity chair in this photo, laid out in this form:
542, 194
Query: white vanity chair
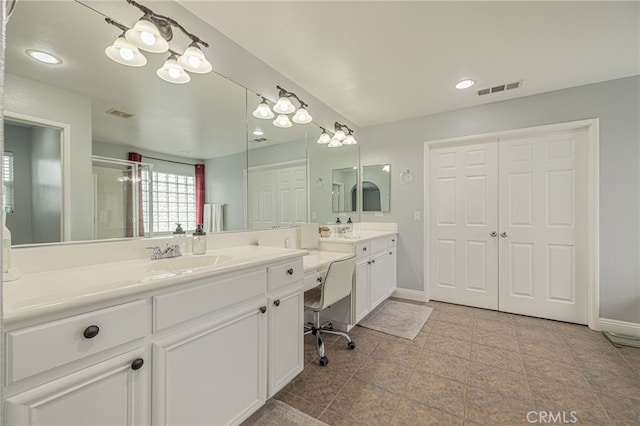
336, 285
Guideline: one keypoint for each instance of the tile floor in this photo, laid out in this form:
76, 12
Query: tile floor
474, 367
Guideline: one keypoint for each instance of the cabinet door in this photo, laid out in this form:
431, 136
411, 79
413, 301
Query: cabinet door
361, 301
393, 271
108, 393
214, 373
379, 279
286, 355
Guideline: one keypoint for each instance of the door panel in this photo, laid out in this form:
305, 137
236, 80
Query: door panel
464, 262
543, 238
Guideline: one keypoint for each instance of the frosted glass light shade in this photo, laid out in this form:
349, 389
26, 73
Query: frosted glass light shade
335, 143
173, 73
339, 135
146, 36
125, 53
284, 106
349, 140
302, 116
263, 111
193, 60
282, 121
324, 138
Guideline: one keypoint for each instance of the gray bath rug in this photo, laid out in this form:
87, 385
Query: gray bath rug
277, 413
398, 319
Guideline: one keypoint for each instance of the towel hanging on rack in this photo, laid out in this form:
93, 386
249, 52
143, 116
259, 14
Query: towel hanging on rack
214, 217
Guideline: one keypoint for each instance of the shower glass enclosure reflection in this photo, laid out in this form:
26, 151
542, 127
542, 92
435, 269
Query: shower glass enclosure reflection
123, 203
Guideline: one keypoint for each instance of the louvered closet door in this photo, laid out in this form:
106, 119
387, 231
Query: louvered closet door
463, 212
543, 229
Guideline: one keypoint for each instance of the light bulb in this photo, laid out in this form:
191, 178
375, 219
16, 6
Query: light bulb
172, 72
339, 135
335, 143
302, 116
284, 106
282, 121
126, 53
324, 138
349, 140
193, 60
263, 111
147, 38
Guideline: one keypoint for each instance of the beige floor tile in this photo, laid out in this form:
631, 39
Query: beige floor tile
491, 325
621, 411
409, 412
585, 404
364, 402
632, 356
484, 407
436, 392
524, 322
551, 351
455, 331
501, 317
496, 357
502, 339
318, 384
499, 380
560, 374
621, 386
457, 317
444, 365
384, 374
308, 407
400, 351
449, 346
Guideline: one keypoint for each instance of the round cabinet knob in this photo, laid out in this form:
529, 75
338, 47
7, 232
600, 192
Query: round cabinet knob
390, 252
91, 331
263, 309
276, 302
137, 364
290, 271
373, 261
493, 234
369, 263
319, 280
504, 234
364, 249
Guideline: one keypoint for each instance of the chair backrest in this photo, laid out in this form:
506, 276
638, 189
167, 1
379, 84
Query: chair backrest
338, 281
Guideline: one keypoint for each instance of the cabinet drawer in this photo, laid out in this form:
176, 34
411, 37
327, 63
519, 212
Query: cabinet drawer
362, 249
173, 308
313, 280
285, 273
379, 244
39, 348
393, 241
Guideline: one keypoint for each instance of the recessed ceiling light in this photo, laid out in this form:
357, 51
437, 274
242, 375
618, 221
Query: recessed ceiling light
465, 84
45, 57
258, 132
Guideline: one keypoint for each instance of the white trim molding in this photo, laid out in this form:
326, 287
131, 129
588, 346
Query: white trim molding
409, 294
621, 327
593, 203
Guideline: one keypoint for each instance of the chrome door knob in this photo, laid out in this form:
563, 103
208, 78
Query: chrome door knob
504, 234
493, 234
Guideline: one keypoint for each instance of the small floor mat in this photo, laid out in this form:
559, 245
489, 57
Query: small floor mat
277, 413
622, 340
398, 319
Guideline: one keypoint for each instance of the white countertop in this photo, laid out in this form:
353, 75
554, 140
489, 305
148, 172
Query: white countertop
357, 237
320, 260
49, 292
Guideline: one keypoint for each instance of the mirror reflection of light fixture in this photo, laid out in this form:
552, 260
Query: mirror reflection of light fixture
124, 52
152, 33
349, 139
284, 107
263, 111
282, 121
340, 137
335, 143
172, 72
324, 137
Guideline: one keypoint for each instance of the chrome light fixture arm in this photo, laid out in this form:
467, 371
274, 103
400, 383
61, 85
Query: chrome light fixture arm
286, 94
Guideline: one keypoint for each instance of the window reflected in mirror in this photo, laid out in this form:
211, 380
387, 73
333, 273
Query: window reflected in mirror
376, 188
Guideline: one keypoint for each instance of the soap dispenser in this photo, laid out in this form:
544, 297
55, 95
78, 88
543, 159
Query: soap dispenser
338, 221
199, 242
349, 225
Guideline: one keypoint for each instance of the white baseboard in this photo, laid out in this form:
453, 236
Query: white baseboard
621, 327
405, 293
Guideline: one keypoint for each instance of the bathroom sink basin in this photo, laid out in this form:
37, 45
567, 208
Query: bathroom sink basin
186, 263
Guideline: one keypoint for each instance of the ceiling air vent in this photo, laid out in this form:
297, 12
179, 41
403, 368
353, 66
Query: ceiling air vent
121, 114
258, 140
500, 88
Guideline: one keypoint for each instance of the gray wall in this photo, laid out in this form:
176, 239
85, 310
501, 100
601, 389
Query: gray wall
616, 103
32, 98
278, 153
225, 184
46, 177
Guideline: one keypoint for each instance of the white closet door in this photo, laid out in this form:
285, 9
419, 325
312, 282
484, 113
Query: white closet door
543, 204
262, 199
292, 196
463, 216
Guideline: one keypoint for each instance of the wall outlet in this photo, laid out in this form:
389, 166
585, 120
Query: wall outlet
416, 216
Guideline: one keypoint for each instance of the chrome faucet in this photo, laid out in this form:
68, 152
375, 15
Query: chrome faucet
172, 250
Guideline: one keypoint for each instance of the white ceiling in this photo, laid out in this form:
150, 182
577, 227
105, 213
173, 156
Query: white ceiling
382, 61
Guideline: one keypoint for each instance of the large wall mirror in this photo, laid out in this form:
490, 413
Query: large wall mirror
332, 180
60, 116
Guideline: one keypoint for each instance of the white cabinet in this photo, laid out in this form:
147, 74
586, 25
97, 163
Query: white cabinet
286, 355
361, 302
113, 392
379, 278
213, 373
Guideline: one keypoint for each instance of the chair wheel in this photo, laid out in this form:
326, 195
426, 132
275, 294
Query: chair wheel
330, 326
324, 361
351, 345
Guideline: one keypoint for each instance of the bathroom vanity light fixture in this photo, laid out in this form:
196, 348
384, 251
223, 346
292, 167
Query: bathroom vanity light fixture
340, 137
283, 108
324, 137
152, 33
